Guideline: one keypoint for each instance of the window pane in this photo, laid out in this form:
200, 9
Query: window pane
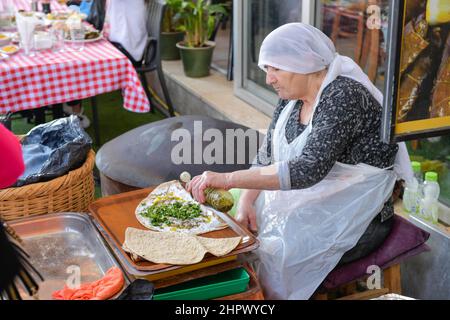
263, 17
358, 29
222, 36
434, 155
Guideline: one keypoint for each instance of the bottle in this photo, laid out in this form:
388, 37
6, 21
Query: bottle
411, 196
417, 170
429, 202
219, 199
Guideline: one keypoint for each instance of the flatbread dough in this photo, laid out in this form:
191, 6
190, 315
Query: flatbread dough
163, 247
220, 246
173, 247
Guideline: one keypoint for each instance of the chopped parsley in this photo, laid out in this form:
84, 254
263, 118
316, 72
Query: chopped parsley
165, 209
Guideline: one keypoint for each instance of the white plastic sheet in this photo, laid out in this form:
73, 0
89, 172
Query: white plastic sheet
304, 233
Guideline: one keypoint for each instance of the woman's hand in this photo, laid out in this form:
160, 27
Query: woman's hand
246, 215
208, 179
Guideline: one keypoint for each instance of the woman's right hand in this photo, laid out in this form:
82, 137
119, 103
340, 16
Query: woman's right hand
246, 215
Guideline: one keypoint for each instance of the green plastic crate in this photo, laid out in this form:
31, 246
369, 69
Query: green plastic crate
210, 287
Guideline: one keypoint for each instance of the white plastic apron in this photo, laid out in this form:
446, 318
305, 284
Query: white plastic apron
304, 233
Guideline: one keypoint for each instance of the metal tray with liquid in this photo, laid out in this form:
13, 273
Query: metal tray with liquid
63, 245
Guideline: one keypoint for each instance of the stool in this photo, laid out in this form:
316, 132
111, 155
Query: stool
404, 241
143, 156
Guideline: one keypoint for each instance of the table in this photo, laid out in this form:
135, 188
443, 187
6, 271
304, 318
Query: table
50, 78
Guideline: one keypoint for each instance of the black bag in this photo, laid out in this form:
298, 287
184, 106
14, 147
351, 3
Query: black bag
53, 149
139, 289
97, 14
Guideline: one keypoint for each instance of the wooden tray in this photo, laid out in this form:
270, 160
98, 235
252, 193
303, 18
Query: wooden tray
114, 214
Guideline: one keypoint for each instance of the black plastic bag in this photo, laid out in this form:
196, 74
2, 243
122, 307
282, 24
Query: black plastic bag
53, 149
139, 289
97, 14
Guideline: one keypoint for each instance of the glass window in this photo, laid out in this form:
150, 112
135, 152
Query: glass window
265, 16
221, 59
358, 29
434, 155
256, 19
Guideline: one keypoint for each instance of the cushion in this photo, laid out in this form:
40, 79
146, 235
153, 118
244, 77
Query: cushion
142, 157
404, 241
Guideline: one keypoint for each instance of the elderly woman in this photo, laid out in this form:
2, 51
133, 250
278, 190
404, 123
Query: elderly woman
323, 160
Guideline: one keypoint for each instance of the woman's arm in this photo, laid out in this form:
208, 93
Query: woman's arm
264, 155
262, 178
246, 213
249, 195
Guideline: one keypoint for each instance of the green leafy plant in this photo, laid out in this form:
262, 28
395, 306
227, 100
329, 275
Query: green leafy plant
172, 18
198, 20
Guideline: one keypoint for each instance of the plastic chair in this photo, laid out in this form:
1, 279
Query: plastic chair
152, 59
152, 56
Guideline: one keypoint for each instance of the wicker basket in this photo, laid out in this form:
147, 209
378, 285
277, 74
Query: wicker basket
71, 192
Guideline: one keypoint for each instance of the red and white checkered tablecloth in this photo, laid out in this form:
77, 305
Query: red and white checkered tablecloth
49, 78
26, 5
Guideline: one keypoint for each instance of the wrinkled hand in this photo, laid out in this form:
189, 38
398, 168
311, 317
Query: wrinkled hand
208, 179
246, 215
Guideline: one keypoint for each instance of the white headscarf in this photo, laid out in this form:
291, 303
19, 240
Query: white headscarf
302, 48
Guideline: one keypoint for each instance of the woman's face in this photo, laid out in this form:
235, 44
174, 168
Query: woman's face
288, 85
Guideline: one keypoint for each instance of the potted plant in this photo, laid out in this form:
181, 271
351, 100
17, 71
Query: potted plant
196, 51
171, 33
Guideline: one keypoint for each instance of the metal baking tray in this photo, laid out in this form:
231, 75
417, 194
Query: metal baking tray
62, 245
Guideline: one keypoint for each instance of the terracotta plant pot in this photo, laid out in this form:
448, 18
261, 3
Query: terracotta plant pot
169, 40
196, 61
